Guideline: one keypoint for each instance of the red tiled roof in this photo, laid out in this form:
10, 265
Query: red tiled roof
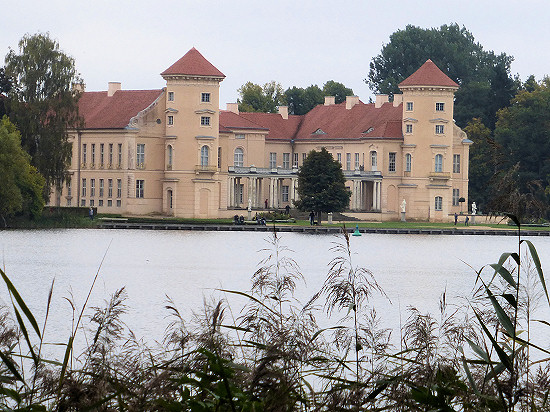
428, 75
193, 63
103, 112
230, 120
335, 123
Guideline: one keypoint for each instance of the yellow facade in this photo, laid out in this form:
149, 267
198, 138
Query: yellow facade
173, 152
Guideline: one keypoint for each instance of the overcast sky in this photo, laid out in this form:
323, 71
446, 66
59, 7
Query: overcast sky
295, 42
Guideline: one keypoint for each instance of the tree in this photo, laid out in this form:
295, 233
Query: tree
338, 90
43, 103
321, 184
256, 98
5, 87
523, 134
300, 101
22, 185
484, 78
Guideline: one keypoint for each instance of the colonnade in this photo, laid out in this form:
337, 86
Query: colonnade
365, 195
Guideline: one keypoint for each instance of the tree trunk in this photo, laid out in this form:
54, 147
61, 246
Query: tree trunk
319, 218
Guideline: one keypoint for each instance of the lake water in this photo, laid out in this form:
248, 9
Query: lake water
189, 266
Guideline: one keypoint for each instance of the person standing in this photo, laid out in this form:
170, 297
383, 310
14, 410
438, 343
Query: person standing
456, 218
91, 213
311, 218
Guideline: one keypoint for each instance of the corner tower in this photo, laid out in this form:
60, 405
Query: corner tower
191, 183
430, 143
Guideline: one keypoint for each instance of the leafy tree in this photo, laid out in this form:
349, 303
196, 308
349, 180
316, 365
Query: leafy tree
5, 87
300, 101
321, 184
256, 98
22, 185
522, 132
338, 90
43, 103
486, 84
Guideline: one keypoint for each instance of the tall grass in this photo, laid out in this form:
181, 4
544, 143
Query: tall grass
273, 356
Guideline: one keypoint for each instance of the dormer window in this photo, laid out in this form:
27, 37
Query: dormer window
170, 96
319, 131
205, 97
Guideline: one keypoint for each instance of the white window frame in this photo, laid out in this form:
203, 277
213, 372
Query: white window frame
356, 163
438, 163
456, 163
84, 153
408, 128
140, 184
272, 160
205, 154
285, 192
101, 188
110, 188
440, 107
456, 196
408, 162
239, 136
170, 155
140, 155
391, 162
92, 187
118, 189
101, 154
171, 96
205, 97
170, 120
409, 106
93, 153
439, 129
119, 155
295, 160
238, 157
83, 187
438, 206
348, 161
205, 121
110, 154
286, 160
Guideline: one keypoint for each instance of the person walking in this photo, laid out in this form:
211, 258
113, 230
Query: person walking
466, 221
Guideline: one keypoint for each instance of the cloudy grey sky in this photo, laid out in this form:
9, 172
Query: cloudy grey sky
295, 42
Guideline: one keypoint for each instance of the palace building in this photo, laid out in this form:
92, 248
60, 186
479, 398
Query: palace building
173, 152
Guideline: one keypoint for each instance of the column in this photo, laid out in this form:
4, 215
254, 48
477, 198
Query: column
271, 192
231, 191
291, 190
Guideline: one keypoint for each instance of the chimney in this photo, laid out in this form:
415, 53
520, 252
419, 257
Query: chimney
283, 111
233, 107
351, 101
380, 100
397, 99
113, 87
330, 100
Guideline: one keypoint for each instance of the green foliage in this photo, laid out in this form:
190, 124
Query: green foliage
22, 185
43, 104
524, 137
321, 184
338, 90
484, 78
256, 98
300, 100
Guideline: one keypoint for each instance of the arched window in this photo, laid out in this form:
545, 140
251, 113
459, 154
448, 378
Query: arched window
438, 203
204, 156
373, 160
169, 155
238, 157
408, 162
438, 163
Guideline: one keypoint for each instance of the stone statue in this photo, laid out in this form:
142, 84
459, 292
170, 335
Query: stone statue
249, 205
474, 208
403, 206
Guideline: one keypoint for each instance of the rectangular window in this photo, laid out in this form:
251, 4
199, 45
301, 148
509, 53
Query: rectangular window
356, 161
285, 193
100, 187
101, 154
119, 155
408, 128
272, 160
456, 163
84, 154
219, 157
110, 188
408, 162
100, 202
82, 202
304, 156
286, 160
92, 203
391, 163
118, 203
409, 106
438, 203
170, 96
456, 196
110, 154
438, 163
109, 203
69, 188
205, 120
339, 157
68, 202
170, 120
440, 107
83, 187
374, 159
348, 161
295, 160
92, 187
139, 188
205, 97
239, 136
439, 129
118, 188
93, 153
140, 156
